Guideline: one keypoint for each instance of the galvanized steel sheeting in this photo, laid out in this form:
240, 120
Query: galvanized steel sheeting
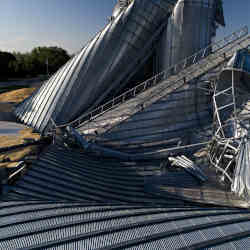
177, 119
191, 27
101, 67
62, 174
241, 181
133, 219
152, 117
74, 225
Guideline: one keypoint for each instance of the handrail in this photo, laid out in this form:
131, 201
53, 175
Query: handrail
153, 81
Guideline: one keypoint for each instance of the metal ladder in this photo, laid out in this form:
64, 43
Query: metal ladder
219, 108
225, 147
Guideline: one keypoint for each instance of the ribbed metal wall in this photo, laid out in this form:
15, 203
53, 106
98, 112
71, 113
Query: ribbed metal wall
174, 116
180, 118
62, 174
112, 211
162, 112
190, 28
101, 67
51, 225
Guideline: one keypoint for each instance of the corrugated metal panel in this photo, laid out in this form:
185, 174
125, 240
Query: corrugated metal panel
182, 185
190, 28
182, 115
102, 66
241, 181
77, 226
169, 110
60, 174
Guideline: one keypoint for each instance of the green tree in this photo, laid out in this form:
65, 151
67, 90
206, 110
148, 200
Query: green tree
55, 56
33, 63
5, 61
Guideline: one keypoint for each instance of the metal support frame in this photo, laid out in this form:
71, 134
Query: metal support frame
224, 150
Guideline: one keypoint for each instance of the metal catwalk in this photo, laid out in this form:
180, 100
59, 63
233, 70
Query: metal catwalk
171, 110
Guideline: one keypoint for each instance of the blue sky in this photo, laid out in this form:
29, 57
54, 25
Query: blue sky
25, 24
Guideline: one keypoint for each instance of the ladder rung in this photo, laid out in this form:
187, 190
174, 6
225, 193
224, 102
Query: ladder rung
223, 91
228, 105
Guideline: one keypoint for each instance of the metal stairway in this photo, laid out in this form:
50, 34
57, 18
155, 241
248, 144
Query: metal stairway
152, 90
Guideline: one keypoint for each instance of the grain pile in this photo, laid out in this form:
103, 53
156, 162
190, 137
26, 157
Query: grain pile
16, 96
11, 158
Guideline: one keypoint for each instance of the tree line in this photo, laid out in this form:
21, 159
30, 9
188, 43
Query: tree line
32, 64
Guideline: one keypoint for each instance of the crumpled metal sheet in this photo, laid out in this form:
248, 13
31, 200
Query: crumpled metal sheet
241, 182
100, 68
191, 27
